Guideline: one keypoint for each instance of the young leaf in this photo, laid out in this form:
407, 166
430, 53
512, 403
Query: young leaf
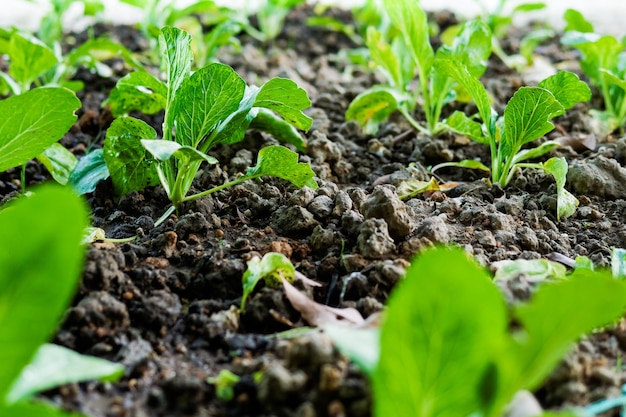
88, 172
137, 90
278, 161
535, 270
370, 108
576, 21
566, 202
55, 365
32, 122
35, 409
386, 59
131, 166
558, 314
39, 270
58, 161
412, 22
532, 153
272, 268
428, 341
284, 97
268, 122
471, 47
164, 150
209, 96
527, 117
459, 122
30, 58
567, 88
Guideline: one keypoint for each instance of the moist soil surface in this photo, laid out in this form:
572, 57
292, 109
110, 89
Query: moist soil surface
166, 305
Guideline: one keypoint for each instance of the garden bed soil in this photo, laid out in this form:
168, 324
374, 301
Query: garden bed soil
166, 306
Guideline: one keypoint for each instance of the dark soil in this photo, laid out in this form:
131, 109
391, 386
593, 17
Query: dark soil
166, 305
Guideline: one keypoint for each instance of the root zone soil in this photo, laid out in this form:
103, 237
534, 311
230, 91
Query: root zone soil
166, 305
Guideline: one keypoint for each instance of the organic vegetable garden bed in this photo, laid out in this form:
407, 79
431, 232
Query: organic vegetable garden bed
167, 305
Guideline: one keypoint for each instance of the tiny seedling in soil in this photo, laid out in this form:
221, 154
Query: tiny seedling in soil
211, 106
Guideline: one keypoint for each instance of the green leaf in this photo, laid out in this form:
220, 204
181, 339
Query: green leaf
284, 97
385, 58
40, 266
278, 161
92, 54
55, 365
224, 384
527, 117
370, 108
458, 122
30, 58
272, 268
137, 91
268, 122
471, 47
205, 99
535, 270
529, 7
361, 346
618, 263
435, 349
465, 163
566, 202
88, 172
411, 188
531, 153
411, 21
130, 165
473, 86
32, 122
567, 88
558, 314
164, 150
575, 20
58, 161
35, 409
531, 41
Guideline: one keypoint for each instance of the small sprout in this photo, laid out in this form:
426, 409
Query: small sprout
224, 383
272, 268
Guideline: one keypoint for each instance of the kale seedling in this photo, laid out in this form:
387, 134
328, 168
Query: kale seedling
40, 267
603, 60
211, 106
450, 351
526, 118
410, 52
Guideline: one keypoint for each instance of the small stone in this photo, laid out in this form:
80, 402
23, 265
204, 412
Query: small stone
374, 241
293, 220
385, 204
322, 239
599, 176
321, 206
434, 229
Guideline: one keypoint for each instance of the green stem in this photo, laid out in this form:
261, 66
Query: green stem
218, 188
23, 178
412, 121
164, 216
607, 97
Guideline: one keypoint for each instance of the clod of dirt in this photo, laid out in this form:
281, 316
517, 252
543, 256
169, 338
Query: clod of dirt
384, 204
293, 220
374, 241
435, 229
599, 176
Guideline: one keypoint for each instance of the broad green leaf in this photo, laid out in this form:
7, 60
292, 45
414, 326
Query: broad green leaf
233, 128
58, 161
531, 153
575, 20
527, 117
567, 88
566, 202
35, 409
32, 121
88, 172
272, 268
278, 161
137, 90
435, 349
385, 58
30, 58
55, 365
370, 108
411, 21
471, 47
459, 122
285, 98
618, 263
535, 270
176, 60
164, 150
267, 122
473, 86
130, 165
361, 346
205, 99
40, 267
558, 314
597, 52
